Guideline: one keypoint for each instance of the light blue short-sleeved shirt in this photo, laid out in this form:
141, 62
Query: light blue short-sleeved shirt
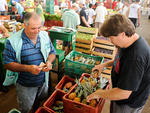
70, 19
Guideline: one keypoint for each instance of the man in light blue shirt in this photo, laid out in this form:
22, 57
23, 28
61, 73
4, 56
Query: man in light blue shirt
19, 8
70, 18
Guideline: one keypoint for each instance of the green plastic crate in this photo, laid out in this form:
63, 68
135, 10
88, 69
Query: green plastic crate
2, 43
62, 34
73, 68
60, 55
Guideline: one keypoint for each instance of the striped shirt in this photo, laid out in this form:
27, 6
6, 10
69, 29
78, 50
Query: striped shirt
30, 55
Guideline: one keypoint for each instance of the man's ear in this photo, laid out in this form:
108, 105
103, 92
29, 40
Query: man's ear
123, 34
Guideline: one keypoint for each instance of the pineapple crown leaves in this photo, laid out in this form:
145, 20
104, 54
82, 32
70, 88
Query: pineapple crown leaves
77, 82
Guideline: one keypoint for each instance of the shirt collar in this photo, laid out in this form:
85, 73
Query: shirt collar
25, 37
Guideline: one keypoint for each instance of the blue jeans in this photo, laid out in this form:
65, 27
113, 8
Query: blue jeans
27, 96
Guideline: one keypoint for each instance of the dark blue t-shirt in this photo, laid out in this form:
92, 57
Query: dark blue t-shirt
131, 71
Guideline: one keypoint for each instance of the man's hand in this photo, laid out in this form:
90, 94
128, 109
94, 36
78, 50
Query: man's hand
99, 67
46, 67
34, 69
95, 95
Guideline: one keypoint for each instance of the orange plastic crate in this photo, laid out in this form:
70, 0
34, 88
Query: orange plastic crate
62, 82
43, 110
71, 106
56, 95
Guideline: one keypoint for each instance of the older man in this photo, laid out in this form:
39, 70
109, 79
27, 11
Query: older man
24, 53
131, 67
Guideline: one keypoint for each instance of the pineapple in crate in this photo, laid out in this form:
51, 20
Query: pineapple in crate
86, 86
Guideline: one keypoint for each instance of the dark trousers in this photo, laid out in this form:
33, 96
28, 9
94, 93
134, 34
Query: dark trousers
134, 21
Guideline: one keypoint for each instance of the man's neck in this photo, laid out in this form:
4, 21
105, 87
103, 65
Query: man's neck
132, 39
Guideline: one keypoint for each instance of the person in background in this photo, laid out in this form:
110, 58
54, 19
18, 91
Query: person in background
35, 55
3, 6
70, 20
91, 15
64, 5
83, 15
101, 12
119, 6
134, 13
125, 7
28, 5
39, 9
130, 74
19, 8
114, 4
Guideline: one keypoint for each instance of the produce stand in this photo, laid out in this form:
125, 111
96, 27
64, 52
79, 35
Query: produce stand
61, 33
61, 101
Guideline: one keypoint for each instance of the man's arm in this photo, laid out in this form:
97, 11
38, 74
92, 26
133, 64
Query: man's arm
16, 67
84, 21
139, 16
100, 67
112, 94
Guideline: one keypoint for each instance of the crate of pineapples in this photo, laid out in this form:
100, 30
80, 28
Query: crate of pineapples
75, 101
89, 30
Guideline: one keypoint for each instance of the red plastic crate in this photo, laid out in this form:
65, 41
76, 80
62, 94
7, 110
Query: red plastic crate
56, 95
71, 106
43, 110
63, 81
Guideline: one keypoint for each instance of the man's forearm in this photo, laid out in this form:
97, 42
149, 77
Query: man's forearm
51, 58
16, 67
114, 94
108, 64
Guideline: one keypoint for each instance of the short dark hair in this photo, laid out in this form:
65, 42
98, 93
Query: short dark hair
90, 5
116, 24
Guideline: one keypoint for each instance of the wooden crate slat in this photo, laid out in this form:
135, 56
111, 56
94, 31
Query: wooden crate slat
83, 41
102, 54
83, 45
83, 50
102, 41
87, 31
103, 46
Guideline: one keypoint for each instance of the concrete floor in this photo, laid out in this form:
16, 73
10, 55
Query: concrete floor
8, 100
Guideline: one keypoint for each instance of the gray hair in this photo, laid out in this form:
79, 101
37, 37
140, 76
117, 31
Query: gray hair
29, 15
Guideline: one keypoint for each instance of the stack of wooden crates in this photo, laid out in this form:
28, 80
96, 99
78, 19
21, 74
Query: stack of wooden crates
103, 47
84, 39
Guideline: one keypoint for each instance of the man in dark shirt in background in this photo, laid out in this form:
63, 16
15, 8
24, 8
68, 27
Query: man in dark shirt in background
83, 15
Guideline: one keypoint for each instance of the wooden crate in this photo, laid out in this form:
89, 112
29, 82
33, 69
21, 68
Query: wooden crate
84, 46
87, 30
106, 45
